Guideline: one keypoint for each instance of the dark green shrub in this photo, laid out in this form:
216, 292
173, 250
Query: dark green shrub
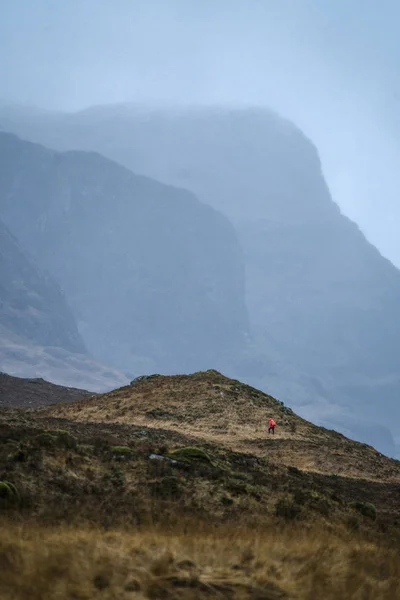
294, 470
8, 494
58, 437
141, 378
9, 449
101, 582
236, 487
336, 498
300, 497
189, 454
65, 439
121, 452
365, 508
46, 440
226, 500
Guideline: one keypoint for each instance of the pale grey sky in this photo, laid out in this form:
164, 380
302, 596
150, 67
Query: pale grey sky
329, 66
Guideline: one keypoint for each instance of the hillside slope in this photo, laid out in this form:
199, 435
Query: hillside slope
154, 277
139, 491
215, 409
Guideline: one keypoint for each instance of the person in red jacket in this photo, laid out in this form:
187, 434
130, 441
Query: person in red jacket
271, 425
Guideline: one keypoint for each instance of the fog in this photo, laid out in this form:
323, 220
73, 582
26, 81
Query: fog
329, 66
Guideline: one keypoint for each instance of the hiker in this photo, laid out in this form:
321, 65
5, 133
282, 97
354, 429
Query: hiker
271, 425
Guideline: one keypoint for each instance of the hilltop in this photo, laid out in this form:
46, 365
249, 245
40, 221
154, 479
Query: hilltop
215, 409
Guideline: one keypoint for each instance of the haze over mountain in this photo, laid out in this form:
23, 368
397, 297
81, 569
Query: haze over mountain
38, 333
154, 277
329, 66
32, 305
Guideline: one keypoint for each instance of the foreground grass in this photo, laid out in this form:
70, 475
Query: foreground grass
178, 515
81, 563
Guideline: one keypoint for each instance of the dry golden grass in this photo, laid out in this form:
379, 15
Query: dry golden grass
84, 563
215, 409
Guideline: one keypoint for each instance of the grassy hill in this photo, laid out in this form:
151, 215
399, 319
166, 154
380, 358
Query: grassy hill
172, 488
215, 409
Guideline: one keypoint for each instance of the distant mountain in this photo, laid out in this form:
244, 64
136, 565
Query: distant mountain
323, 303
38, 333
19, 392
155, 278
31, 303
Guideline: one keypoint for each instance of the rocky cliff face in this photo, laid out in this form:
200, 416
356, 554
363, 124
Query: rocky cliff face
154, 277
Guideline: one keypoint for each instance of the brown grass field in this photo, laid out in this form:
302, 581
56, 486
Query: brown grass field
226, 512
230, 562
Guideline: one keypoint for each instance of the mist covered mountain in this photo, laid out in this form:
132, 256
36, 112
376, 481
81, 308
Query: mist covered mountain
38, 333
154, 277
31, 303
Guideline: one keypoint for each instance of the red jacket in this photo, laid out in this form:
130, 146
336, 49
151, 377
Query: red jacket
271, 423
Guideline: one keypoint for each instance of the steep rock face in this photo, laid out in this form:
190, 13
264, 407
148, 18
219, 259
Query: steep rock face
322, 301
31, 303
154, 277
